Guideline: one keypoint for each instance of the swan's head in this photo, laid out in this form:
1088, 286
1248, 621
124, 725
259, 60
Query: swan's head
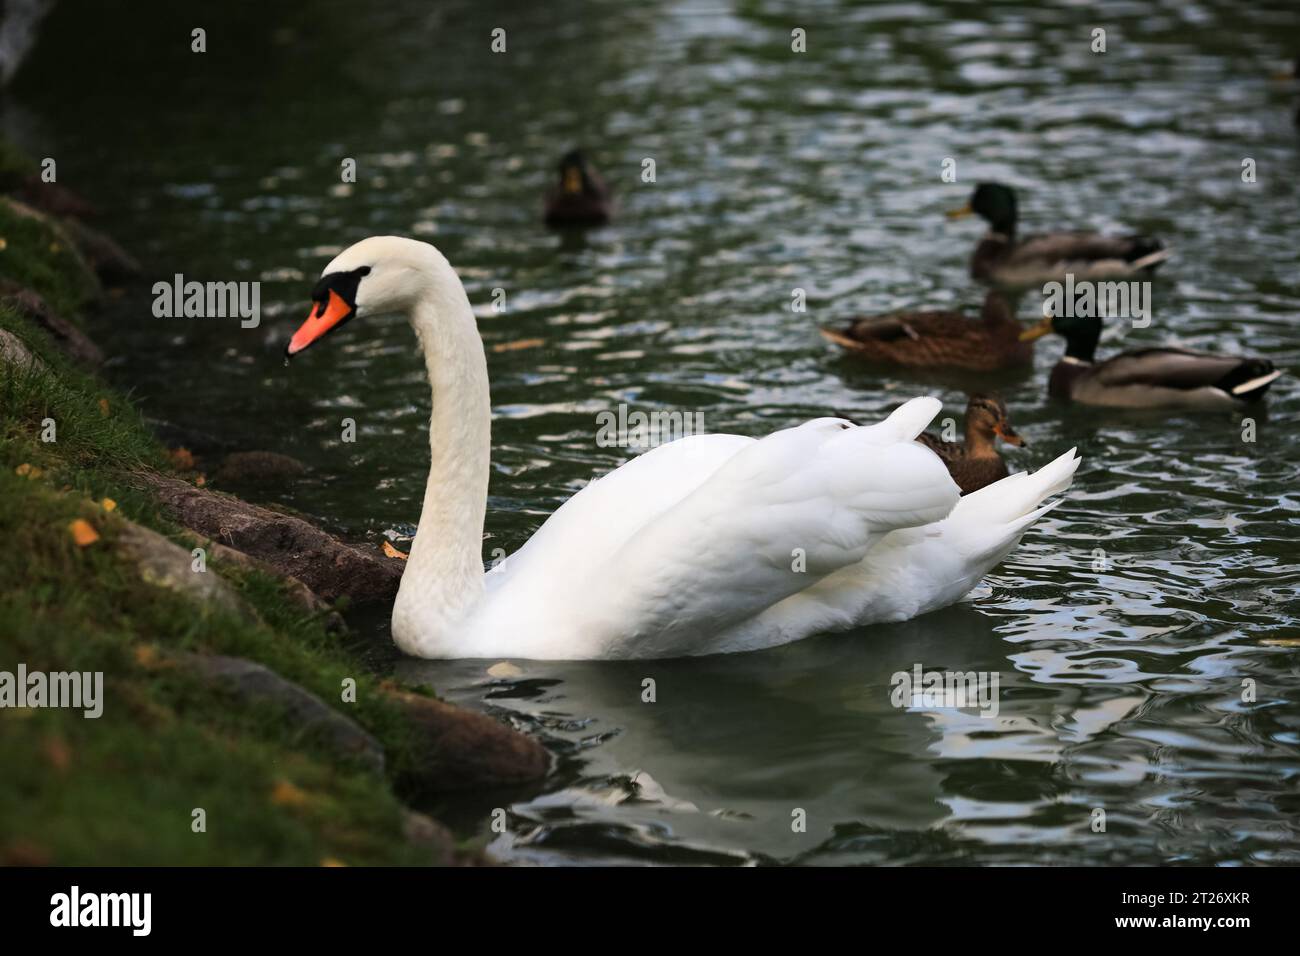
378, 275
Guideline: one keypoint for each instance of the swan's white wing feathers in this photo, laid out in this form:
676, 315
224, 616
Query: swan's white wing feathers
915, 570
769, 521
705, 531
585, 531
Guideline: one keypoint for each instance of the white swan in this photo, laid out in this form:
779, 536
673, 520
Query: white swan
708, 544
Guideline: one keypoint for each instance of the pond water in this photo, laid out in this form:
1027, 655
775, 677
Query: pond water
1122, 680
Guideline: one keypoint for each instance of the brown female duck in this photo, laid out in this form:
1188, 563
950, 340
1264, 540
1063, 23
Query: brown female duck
940, 339
580, 198
1002, 260
976, 462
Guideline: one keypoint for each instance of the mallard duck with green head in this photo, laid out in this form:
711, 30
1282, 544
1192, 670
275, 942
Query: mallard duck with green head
976, 462
939, 339
1003, 259
1148, 378
580, 197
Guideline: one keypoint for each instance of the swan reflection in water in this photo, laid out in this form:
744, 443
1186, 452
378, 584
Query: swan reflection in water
718, 766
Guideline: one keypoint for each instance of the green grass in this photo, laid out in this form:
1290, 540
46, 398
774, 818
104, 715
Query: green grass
39, 255
15, 166
121, 789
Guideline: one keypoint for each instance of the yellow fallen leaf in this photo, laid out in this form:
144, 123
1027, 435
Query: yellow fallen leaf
108, 504
330, 861
83, 533
103, 407
286, 794
393, 552
146, 655
517, 345
57, 753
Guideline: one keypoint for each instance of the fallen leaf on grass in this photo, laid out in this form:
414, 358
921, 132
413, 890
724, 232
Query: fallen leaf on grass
146, 655
57, 753
83, 532
28, 471
182, 458
24, 852
393, 552
103, 407
286, 794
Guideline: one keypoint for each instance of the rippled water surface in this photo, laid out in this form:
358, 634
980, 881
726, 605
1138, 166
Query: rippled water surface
1127, 626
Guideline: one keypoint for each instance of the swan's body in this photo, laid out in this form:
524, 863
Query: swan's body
708, 544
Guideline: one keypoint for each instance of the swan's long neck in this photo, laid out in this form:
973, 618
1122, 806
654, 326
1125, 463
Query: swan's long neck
443, 579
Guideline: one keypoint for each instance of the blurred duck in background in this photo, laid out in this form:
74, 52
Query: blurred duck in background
1002, 260
939, 339
580, 197
975, 463
1148, 378
1290, 74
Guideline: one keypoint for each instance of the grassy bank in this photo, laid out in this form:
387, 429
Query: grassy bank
123, 788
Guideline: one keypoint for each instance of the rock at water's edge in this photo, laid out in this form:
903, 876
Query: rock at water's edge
289, 545
75, 343
258, 466
165, 564
458, 749
251, 681
13, 351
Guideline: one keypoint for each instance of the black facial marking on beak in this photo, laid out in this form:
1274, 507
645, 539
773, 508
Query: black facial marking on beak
344, 283
334, 303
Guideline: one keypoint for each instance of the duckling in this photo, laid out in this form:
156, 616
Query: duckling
1036, 260
940, 339
976, 462
580, 198
1149, 378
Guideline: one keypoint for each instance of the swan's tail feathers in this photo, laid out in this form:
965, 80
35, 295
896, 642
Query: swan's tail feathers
1020, 525
1019, 494
989, 522
907, 420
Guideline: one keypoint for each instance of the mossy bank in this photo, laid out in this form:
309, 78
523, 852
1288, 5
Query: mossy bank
236, 727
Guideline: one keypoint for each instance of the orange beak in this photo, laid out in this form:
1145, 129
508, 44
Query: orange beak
323, 317
1008, 434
